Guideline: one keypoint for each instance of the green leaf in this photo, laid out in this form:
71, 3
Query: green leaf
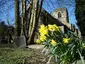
54, 50
81, 56
50, 59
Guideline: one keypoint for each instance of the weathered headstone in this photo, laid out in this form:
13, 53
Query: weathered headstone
20, 41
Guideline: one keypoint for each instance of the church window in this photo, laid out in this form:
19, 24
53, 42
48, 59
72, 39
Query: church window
59, 15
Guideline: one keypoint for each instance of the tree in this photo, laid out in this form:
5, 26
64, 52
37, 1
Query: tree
33, 19
6, 32
17, 18
3, 29
23, 16
80, 15
36, 10
24, 30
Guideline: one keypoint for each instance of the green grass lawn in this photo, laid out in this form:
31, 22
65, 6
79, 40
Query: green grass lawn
10, 55
14, 55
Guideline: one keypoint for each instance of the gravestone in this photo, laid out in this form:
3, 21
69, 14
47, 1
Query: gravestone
20, 41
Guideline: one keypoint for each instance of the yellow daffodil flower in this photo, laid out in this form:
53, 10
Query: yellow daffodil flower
83, 45
43, 30
38, 41
42, 37
53, 42
53, 27
57, 28
66, 40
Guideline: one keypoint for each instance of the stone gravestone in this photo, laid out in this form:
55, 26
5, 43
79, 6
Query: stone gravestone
20, 41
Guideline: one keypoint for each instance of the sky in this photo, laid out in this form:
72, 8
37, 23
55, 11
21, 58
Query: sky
48, 5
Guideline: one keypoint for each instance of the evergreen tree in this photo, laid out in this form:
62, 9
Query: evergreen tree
80, 15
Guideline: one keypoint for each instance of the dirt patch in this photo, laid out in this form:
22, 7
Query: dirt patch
37, 58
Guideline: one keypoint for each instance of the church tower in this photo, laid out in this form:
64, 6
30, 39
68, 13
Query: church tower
61, 14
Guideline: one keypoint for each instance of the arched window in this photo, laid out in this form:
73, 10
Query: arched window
59, 15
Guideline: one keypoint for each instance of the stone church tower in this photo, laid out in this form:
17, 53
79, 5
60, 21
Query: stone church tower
61, 14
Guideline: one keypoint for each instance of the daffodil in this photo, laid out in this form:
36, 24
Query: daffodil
57, 28
43, 30
53, 42
42, 37
38, 41
83, 45
66, 40
53, 27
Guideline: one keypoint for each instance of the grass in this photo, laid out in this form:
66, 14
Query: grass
10, 55
14, 55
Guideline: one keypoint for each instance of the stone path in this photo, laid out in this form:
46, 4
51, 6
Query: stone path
36, 46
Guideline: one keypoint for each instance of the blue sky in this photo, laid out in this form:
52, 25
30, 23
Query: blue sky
48, 5
51, 5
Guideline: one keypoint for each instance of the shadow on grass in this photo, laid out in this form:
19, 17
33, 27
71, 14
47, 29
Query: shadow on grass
12, 55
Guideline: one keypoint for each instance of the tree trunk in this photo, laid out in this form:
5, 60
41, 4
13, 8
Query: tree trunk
39, 10
23, 17
33, 20
17, 21
36, 10
24, 21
